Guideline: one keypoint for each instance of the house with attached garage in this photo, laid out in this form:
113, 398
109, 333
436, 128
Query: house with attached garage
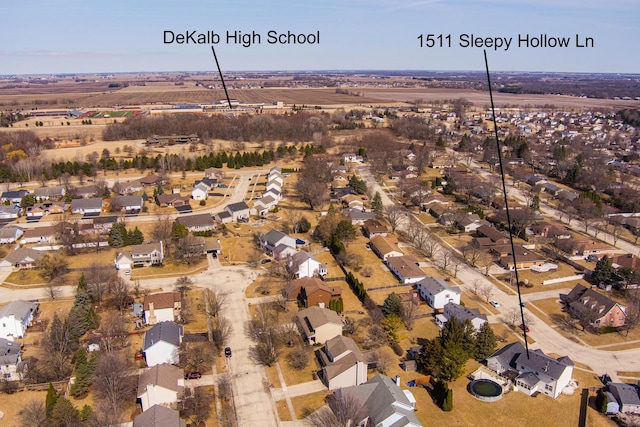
128, 204
49, 193
626, 396
142, 255
10, 234
13, 197
318, 325
342, 363
200, 192
537, 373
159, 416
91, 206
311, 291
22, 258
264, 205
461, 313
239, 211
601, 310
40, 235
16, 317
129, 187
194, 223
162, 343
384, 247
302, 264
159, 385
385, 403
437, 293
8, 213
405, 268
372, 228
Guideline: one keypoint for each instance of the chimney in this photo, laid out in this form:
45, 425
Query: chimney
398, 380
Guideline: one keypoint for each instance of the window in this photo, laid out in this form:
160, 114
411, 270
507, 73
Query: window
548, 387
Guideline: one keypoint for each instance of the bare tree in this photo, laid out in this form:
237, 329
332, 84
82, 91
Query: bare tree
292, 217
446, 258
409, 314
183, 284
113, 330
33, 413
512, 317
214, 302
344, 410
120, 297
221, 330
289, 334
395, 216
196, 405
162, 230
98, 279
486, 291
112, 382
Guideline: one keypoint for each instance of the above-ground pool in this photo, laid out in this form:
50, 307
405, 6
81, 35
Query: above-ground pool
485, 390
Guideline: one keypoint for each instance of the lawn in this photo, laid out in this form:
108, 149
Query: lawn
169, 269
305, 405
11, 405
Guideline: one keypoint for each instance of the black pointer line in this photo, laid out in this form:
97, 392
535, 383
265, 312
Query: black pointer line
213, 49
506, 204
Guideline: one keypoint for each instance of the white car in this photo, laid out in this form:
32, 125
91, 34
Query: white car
496, 304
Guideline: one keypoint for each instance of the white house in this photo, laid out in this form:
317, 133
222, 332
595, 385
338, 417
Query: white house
342, 362
536, 373
127, 204
158, 385
16, 317
385, 402
12, 368
405, 268
238, 211
164, 307
162, 342
318, 325
303, 264
10, 234
461, 313
384, 248
200, 192
436, 292
626, 395
91, 206
142, 255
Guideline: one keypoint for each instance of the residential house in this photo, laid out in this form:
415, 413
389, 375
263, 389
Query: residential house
16, 317
535, 372
342, 363
384, 247
239, 211
372, 228
358, 216
437, 293
492, 233
589, 247
223, 217
162, 342
599, 309
311, 291
271, 239
142, 255
40, 234
195, 223
621, 261
171, 200
273, 192
525, 258
129, 187
164, 307
200, 192
385, 403
303, 264
12, 368
405, 268
86, 191
159, 416
352, 202
211, 173
274, 183
10, 234
13, 197
264, 205
49, 193
461, 313
198, 244
8, 213
283, 251
127, 204
469, 223
318, 325
91, 206
22, 258
151, 180
158, 385
626, 395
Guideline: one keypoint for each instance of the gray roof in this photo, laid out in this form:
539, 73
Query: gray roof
169, 332
540, 362
625, 394
159, 416
358, 215
12, 231
16, 194
9, 352
49, 192
90, 203
21, 255
127, 201
314, 317
201, 220
272, 237
435, 285
163, 375
462, 313
528, 378
20, 309
508, 354
380, 396
237, 207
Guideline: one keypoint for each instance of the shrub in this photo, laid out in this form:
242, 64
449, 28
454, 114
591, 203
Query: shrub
397, 349
447, 405
203, 203
298, 359
608, 329
367, 271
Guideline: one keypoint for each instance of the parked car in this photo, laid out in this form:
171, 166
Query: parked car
193, 376
523, 327
496, 304
227, 352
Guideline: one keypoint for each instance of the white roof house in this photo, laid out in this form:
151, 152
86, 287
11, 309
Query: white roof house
436, 292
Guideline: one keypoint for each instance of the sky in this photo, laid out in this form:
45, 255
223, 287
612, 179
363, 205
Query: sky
70, 36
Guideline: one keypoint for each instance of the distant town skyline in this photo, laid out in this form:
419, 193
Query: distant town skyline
70, 36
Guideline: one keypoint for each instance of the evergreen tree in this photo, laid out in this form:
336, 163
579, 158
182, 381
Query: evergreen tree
603, 271
485, 342
82, 374
392, 305
82, 285
447, 405
136, 237
117, 235
440, 392
376, 204
179, 231
50, 400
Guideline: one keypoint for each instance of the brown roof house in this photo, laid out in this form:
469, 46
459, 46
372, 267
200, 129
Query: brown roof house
406, 269
158, 385
384, 248
524, 257
598, 309
342, 362
142, 255
317, 325
164, 307
159, 416
372, 228
311, 291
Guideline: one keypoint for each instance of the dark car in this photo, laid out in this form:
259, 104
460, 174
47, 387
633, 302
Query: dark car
193, 376
227, 352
